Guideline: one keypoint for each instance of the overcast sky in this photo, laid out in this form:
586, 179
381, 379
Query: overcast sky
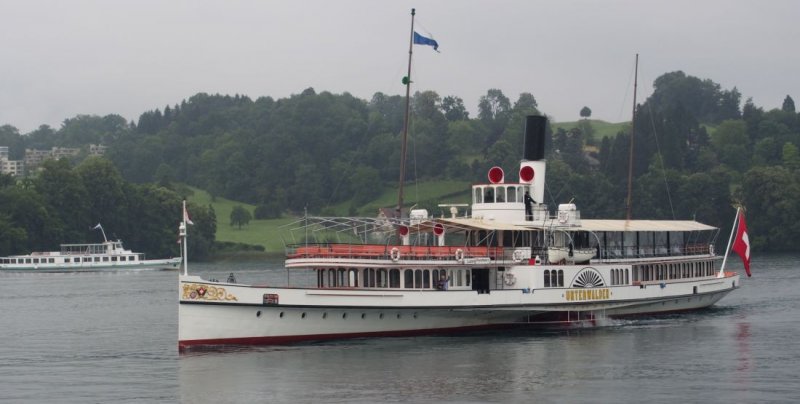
64, 58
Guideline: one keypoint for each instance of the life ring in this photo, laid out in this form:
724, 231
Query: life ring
509, 279
517, 256
395, 254
459, 255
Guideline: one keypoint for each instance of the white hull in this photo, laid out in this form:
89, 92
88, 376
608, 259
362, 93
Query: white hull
169, 263
237, 314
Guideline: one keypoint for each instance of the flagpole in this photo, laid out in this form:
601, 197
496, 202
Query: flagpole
407, 82
183, 233
725, 259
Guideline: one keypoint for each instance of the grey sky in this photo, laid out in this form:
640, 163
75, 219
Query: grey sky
63, 58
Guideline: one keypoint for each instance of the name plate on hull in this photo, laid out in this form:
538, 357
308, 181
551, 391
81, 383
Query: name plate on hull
587, 294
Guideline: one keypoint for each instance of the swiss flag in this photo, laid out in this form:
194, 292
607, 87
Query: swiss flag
742, 243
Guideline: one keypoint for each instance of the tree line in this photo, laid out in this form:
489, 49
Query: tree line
698, 151
63, 204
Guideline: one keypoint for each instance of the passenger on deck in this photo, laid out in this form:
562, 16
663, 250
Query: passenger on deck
528, 206
443, 282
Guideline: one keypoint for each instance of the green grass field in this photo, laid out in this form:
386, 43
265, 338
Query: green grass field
601, 128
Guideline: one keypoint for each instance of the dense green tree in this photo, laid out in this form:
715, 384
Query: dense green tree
788, 104
240, 216
770, 195
66, 198
494, 111
586, 112
454, 109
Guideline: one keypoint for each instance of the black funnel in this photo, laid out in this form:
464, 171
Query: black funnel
534, 138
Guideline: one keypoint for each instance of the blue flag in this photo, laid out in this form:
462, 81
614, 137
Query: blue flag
421, 40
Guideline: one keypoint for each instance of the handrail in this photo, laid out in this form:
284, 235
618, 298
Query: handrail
382, 251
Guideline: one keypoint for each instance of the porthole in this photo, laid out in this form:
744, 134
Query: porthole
344, 315
303, 315
258, 313
381, 316
363, 315
324, 315
415, 315
398, 315
281, 314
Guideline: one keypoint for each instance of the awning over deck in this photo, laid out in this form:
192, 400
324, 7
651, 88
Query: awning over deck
586, 225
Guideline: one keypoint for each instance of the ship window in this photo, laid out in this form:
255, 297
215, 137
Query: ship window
477, 198
560, 278
105, 259
418, 278
547, 278
426, 279
50, 260
353, 275
394, 278
114, 259
408, 278
369, 278
35, 260
627, 280
512, 194
381, 278
501, 194
331, 277
320, 278
468, 276
459, 278
66, 260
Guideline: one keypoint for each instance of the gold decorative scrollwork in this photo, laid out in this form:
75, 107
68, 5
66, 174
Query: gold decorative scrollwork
194, 291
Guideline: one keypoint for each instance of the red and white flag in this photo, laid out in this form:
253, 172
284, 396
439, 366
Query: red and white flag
186, 218
742, 243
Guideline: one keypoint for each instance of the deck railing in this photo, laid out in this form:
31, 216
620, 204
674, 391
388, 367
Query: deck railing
392, 252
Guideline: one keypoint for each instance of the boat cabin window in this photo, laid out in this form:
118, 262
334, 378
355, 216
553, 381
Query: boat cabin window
394, 278
488, 197
554, 278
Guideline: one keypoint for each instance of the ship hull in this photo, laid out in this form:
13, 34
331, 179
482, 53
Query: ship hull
231, 314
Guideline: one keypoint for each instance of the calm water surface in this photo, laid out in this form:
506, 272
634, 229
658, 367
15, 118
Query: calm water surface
112, 337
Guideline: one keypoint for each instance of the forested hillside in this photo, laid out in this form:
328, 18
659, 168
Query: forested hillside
699, 150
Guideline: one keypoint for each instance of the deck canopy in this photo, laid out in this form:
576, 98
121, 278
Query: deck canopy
586, 225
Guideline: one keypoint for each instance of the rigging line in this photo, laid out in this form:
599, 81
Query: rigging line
661, 160
624, 104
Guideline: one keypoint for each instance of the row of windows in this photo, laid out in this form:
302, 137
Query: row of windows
499, 193
554, 278
391, 278
66, 260
681, 270
619, 276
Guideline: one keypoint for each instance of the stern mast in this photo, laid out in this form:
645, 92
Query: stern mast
407, 82
628, 202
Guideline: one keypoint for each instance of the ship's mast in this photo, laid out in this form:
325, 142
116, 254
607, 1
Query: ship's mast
629, 203
407, 82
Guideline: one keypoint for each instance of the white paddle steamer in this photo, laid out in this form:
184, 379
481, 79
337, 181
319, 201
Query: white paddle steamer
504, 263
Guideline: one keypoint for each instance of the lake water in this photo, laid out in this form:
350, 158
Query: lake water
112, 337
